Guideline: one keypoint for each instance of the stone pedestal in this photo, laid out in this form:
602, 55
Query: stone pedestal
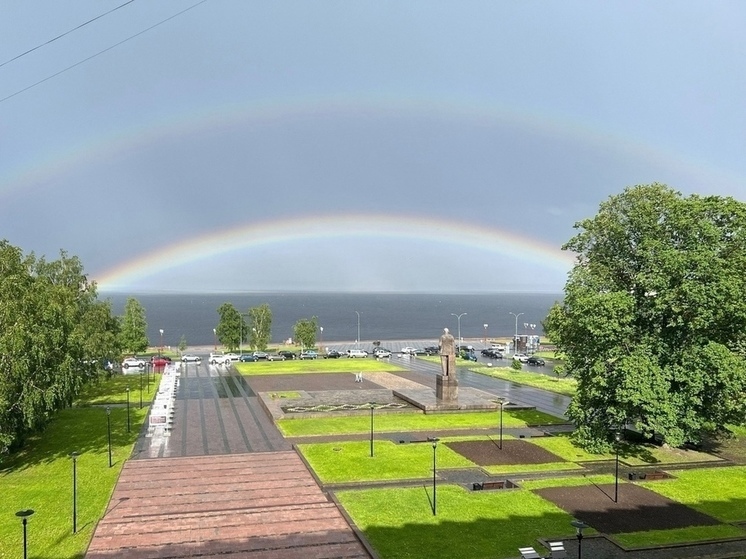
446, 388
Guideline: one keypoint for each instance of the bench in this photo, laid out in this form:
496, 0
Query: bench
528, 553
648, 476
557, 550
502, 484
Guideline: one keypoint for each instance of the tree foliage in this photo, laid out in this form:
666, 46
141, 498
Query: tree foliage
231, 327
305, 331
260, 326
54, 335
134, 329
653, 323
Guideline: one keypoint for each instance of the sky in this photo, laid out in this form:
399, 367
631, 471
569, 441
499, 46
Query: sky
419, 146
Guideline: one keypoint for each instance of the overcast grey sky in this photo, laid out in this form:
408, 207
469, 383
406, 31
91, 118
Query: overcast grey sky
356, 146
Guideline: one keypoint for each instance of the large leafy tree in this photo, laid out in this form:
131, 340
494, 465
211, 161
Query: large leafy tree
134, 327
231, 326
48, 310
305, 331
653, 321
260, 326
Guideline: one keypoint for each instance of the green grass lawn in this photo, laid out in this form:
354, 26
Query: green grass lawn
350, 461
297, 366
399, 523
565, 386
398, 422
114, 390
39, 477
680, 535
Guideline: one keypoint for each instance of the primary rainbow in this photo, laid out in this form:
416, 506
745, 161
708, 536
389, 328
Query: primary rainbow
379, 226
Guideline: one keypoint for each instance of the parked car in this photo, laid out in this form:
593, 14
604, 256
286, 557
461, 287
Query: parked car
355, 353
308, 354
381, 353
275, 357
469, 355
522, 357
233, 356
159, 362
133, 362
492, 353
261, 354
419, 351
408, 350
191, 358
333, 354
432, 350
219, 358
287, 354
498, 347
246, 358
538, 361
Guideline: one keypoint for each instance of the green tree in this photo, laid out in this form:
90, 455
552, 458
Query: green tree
134, 327
182, 344
305, 332
654, 314
231, 326
260, 326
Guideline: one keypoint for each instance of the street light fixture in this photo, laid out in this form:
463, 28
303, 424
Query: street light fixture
24, 516
128, 408
501, 401
579, 526
74, 456
108, 430
458, 316
434, 441
617, 439
321, 339
160, 352
515, 336
140, 389
485, 334
215, 337
357, 341
371, 404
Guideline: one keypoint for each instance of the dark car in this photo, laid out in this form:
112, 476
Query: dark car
431, 350
538, 361
492, 353
247, 358
469, 355
287, 354
333, 354
160, 361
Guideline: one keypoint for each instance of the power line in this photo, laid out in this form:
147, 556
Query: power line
65, 33
101, 52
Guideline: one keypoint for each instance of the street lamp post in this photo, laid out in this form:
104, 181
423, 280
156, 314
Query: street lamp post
128, 408
458, 316
140, 389
371, 404
147, 372
215, 337
74, 456
515, 336
501, 401
579, 526
617, 439
160, 352
321, 338
357, 341
24, 516
434, 441
485, 334
108, 430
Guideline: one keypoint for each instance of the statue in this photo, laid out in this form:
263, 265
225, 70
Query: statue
447, 353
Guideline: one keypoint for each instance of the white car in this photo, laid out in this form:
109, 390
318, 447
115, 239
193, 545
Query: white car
408, 350
498, 347
133, 362
382, 353
191, 358
354, 353
233, 356
219, 358
522, 357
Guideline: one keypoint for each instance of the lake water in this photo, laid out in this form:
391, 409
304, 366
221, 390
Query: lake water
382, 316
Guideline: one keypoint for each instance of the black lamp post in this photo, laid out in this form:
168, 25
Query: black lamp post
108, 430
501, 401
140, 389
24, 516
371, 404
128, 408
617, 439
579, 527
74, 456
434, 440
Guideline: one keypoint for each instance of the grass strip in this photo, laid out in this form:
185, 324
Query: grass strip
114, 390
297, 366
565, 386
344, 462
399, 523
398, 422
690, 534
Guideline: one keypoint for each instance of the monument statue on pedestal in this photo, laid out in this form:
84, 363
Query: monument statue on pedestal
446, 385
